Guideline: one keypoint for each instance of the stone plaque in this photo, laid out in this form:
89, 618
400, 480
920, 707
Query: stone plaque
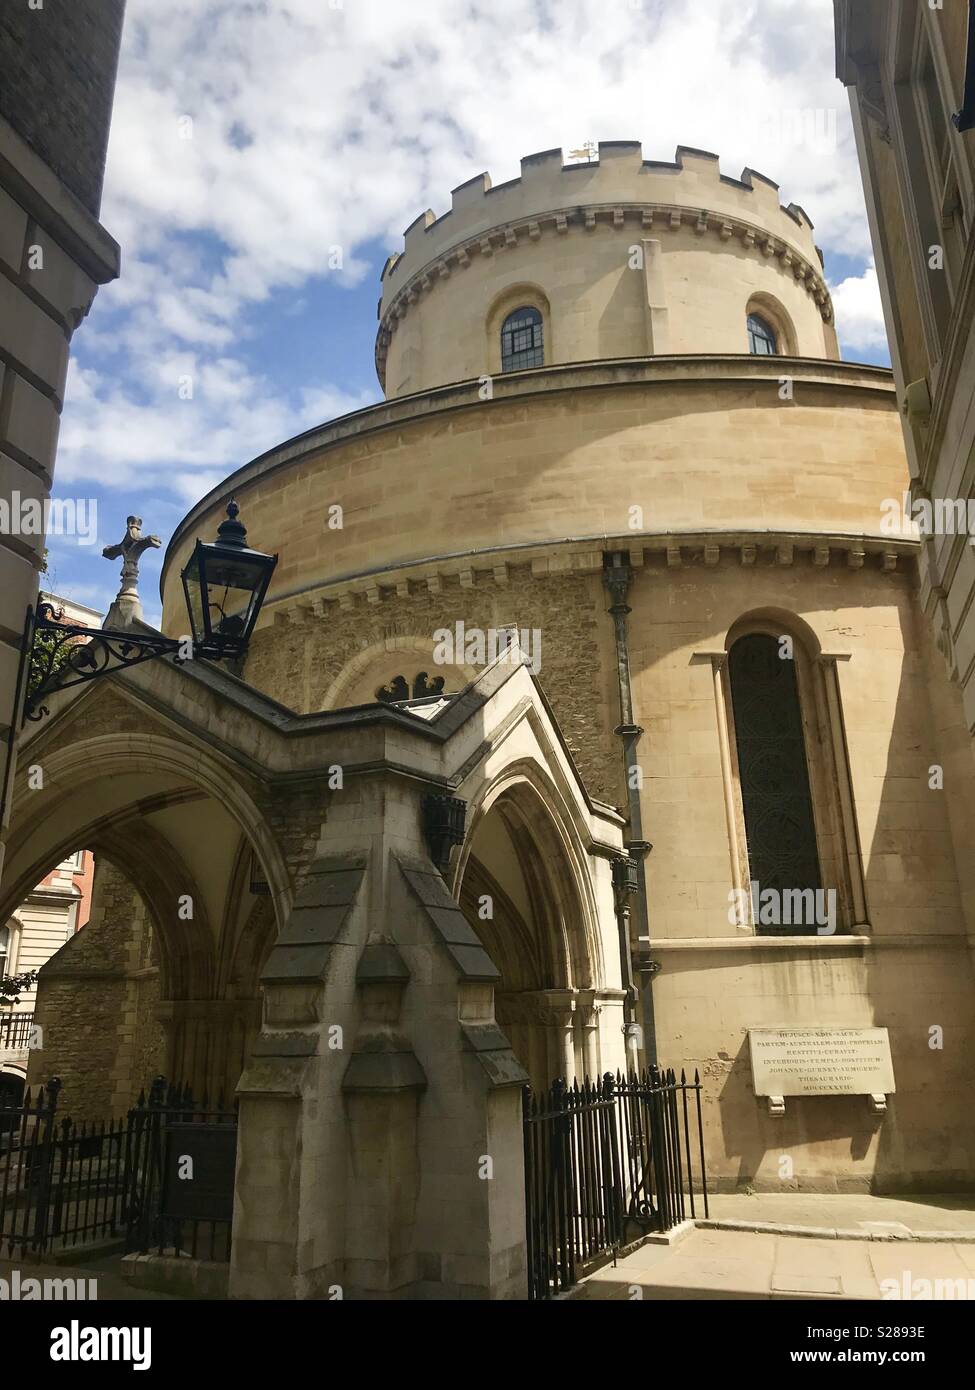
209, 1194
821, 1061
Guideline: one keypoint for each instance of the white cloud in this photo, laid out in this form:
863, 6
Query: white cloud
859, 312
361, 115
315, 125
110, 435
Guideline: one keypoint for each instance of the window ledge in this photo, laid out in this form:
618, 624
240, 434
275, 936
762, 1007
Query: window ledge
760, 943
838, 942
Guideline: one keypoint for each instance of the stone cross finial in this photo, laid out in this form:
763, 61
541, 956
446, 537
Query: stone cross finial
130, 550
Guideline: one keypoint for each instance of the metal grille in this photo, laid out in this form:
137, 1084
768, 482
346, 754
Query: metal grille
185, 1154
64, 1184
607, 1162
15, 1031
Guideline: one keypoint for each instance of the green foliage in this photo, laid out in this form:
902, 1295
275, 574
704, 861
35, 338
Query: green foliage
12, 986
45, 644
41, 663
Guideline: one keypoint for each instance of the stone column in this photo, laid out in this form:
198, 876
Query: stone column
588, 1013
557, 1009
380, 1151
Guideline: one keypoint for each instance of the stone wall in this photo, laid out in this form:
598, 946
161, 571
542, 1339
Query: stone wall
58, 76
59, 65
296, 663
562, 240
635, 450
95, 1004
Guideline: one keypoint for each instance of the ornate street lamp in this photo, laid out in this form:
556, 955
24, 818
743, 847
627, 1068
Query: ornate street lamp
225, 583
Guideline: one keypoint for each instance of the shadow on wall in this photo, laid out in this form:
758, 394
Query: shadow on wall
915, 976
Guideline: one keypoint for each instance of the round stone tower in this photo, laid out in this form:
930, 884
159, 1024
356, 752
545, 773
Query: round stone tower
615, 418
622, 257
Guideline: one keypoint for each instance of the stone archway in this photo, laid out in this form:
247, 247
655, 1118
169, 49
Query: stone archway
166, 975
522, 889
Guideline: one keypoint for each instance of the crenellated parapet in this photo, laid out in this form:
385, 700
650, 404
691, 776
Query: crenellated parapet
620, 176
495, 230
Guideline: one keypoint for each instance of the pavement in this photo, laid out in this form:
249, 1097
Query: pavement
804, 1246
762, 1246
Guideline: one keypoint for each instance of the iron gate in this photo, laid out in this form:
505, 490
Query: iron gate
161, 1178
605, 1163
184, 1154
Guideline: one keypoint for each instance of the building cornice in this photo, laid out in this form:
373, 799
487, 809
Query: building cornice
584, 555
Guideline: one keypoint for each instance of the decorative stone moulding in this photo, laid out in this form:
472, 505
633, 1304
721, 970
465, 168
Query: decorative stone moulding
684, 551
504, 237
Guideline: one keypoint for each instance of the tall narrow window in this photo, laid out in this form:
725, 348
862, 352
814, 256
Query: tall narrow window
761, 337
937, 142
4, 950
522, 340
776, 799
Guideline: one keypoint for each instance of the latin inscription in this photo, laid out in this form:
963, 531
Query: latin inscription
821, 1061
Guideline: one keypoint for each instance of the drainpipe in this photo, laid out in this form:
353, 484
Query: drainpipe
617, 576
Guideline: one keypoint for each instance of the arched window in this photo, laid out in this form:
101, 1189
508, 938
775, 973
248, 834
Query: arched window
761, 337
522, 340
398, 689
780, 831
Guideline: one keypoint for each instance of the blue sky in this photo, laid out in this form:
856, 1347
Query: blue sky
250, 140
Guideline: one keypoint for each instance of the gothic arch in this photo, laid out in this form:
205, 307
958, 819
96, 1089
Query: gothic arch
60, 817
529, 802
837, 845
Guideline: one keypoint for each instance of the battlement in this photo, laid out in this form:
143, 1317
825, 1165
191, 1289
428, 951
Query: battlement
620, 178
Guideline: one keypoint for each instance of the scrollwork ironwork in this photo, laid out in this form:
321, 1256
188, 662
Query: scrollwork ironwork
74, 655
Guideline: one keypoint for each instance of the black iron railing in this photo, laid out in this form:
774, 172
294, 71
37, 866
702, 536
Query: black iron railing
15, 1031
161, 1178
607, 1162
26, 1159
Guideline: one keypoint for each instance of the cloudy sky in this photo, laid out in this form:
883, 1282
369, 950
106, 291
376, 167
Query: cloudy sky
251, 136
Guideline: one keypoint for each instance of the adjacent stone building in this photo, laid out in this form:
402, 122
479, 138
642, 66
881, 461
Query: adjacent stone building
58, 64
910, 70
49, 916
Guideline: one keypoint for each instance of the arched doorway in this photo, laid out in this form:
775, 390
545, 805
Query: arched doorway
522, 891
